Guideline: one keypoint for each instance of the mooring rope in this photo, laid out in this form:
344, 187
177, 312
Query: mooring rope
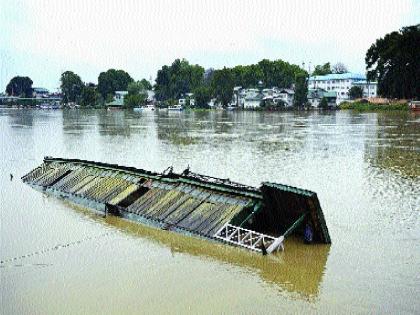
56, 247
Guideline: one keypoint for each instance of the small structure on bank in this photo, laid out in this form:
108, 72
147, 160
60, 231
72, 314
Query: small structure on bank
315, 97
118, 101
254, 218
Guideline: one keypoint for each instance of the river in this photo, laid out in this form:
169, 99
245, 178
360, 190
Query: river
365, 167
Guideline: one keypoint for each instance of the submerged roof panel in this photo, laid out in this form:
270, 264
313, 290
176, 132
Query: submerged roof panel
192, 202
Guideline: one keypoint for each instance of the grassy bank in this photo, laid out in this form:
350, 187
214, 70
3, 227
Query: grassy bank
359, 106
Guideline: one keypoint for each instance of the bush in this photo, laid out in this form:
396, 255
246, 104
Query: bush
359, 106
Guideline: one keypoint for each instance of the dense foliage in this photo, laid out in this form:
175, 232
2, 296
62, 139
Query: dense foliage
71, 86
301, 90
202, 96
133, 100
222, 85
326, 68
355, 92
324, 103
146, 84
176, 80
322, 69
20, 86
394, 61
89, 95
113, 80
272, 73
366, 106
137, 94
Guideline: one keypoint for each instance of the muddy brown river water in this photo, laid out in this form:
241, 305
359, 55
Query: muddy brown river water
57, 258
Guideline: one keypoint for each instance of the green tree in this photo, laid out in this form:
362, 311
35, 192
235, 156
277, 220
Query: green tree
222, 85
146, 84
163, 79
272, 73
176, 80
394, 61
113, 80
324, 103
20, 86
135, 87
202, 96
89, 96
133, 100
301, 89
71, 86
355, 92
322, 69
137, 94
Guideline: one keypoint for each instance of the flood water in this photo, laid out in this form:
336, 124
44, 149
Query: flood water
365, 167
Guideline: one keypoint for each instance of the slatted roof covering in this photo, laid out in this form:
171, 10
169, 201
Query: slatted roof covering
189, 202
174, 203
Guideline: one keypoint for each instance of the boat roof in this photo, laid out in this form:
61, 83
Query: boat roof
191, 202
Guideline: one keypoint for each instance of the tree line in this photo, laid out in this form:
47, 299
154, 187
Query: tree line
88, 94
326, 68
181, 77
393, 61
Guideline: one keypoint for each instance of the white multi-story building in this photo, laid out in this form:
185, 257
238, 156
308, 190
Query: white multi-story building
253, 97
39, 92
341, 84
287, 96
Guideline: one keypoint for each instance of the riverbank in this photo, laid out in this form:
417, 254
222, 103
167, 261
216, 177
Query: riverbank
360, 106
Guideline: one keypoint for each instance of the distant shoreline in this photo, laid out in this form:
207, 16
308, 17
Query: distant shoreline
362, 107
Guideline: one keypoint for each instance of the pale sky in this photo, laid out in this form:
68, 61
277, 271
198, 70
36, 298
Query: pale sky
41, 39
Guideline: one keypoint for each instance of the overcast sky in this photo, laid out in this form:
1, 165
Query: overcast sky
42, 39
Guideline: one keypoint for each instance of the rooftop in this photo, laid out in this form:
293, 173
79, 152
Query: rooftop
338, 76
40, 90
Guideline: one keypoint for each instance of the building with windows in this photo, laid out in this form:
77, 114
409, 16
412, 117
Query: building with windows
316, 95
340, 83
253, 98
369, 88
287, 96
39, 92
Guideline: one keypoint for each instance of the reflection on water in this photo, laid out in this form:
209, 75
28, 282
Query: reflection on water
364, 167
298, 270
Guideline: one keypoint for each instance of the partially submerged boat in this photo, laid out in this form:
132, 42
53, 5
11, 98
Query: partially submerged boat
258, 219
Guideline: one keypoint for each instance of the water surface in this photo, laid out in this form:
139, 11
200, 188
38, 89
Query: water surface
365, 168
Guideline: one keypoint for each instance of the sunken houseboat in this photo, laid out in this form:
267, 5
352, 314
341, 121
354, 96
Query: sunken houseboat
254, 218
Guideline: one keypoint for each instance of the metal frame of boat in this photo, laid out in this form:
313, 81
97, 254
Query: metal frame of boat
258, 219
